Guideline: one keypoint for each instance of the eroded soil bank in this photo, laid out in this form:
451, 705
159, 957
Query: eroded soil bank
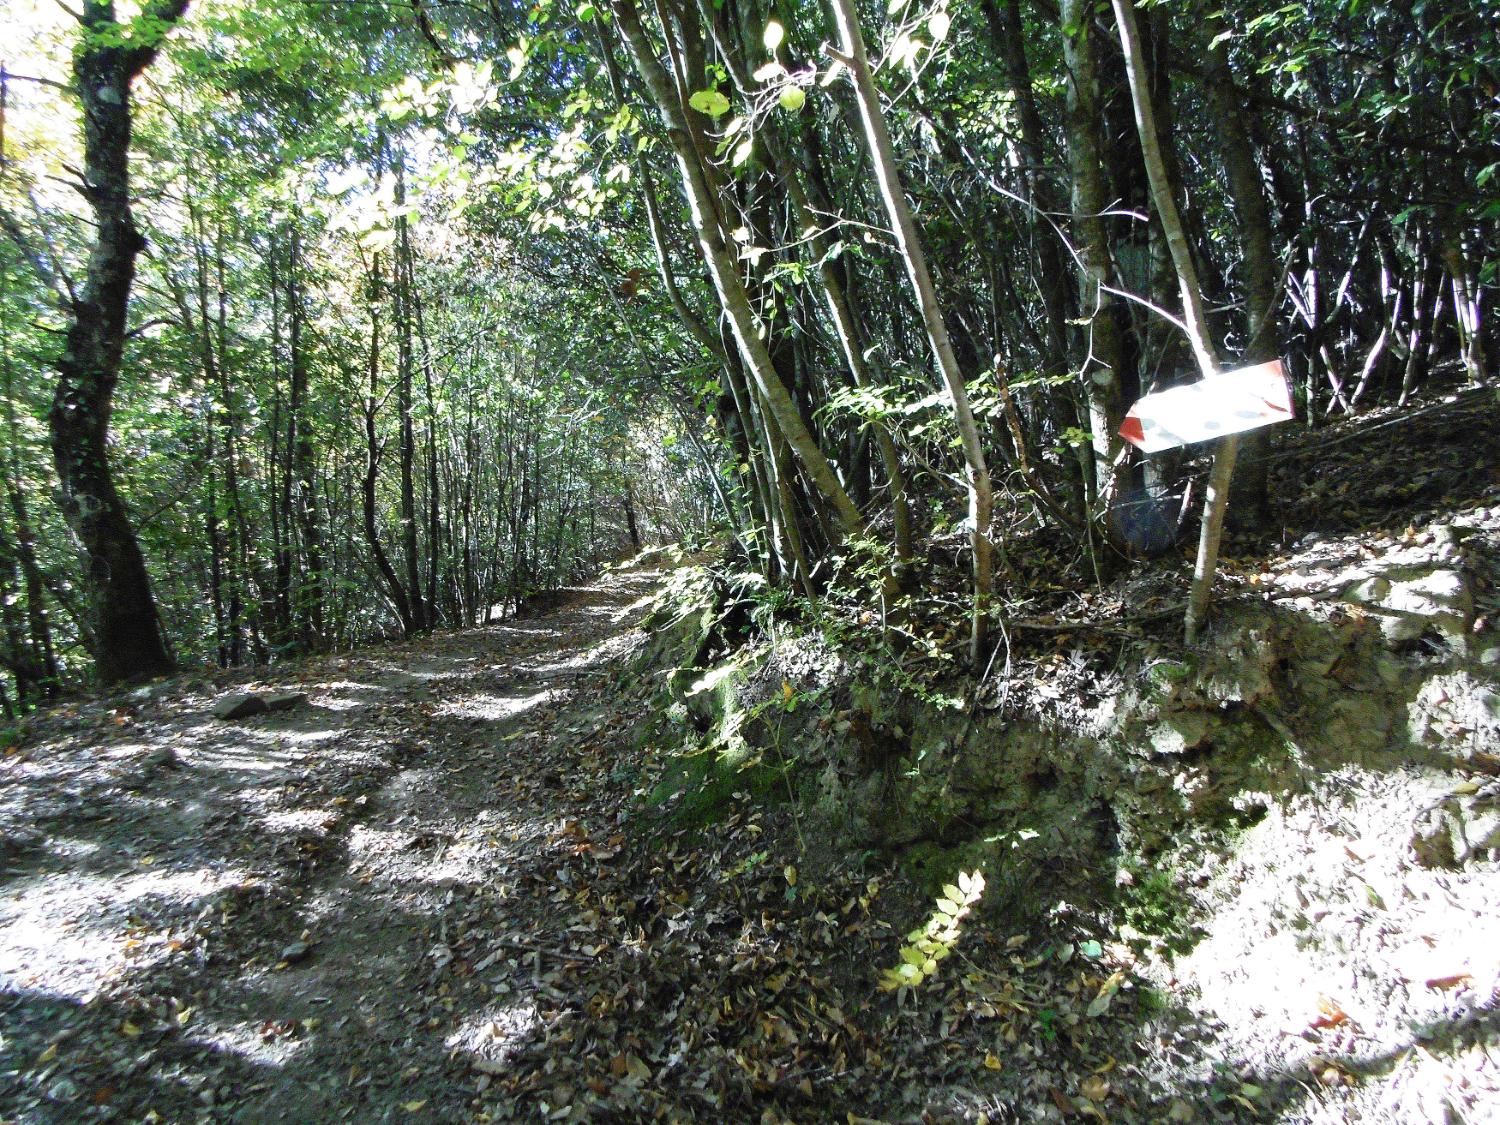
1288, 835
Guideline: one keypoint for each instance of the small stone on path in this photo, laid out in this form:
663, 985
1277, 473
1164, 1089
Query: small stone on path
297, 951
239, 706
284, 700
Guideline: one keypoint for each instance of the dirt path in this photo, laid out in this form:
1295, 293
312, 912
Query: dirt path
275, 919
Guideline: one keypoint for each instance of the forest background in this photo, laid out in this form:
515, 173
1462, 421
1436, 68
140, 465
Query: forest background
330, 321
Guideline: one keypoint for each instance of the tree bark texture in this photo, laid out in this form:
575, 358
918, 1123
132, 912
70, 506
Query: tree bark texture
129, 639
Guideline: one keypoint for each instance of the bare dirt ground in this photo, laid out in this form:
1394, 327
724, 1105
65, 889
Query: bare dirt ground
270, 919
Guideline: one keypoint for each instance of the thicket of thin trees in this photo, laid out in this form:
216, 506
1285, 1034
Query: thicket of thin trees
437, 304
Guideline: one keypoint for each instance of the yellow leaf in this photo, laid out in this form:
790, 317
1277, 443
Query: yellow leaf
130, 1029
991, 1061
412, 1107
786, 691
47, 1056
791, 875
1094, 1088
184, 1016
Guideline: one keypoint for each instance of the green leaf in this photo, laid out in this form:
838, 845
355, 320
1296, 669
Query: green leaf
377, 240
710, 102
793, 98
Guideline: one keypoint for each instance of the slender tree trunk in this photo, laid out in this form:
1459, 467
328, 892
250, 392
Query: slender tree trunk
1003, 18
310, 593
372, 475
1164, 193
1105, 358
909, 243
1250, 500
846, 330
406, 451
130, 642
724, 272
39, 622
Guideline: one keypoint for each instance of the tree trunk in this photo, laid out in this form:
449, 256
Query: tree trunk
1104, 367
130, 643
310, 593
372, 474
1195, 319
1250, 499
909, 243
407, 451
724, 272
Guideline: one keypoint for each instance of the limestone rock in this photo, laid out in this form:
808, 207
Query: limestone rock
239, 706
161, 756
284, 700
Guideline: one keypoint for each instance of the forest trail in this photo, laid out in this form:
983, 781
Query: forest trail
291, 917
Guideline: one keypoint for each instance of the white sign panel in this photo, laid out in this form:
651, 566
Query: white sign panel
1229, 403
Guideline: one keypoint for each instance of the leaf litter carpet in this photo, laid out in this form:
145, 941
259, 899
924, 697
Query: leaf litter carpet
434, 893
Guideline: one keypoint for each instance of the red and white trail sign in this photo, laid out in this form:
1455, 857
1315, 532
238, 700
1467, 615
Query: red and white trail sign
1229, 403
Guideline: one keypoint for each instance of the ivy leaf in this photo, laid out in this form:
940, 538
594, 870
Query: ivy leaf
711, 102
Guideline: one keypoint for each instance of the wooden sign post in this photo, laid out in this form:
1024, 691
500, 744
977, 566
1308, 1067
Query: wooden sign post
1222, 405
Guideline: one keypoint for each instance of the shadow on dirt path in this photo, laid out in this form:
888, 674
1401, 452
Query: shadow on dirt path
274, 919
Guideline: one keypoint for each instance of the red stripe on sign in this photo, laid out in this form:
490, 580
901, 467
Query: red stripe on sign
1132, 431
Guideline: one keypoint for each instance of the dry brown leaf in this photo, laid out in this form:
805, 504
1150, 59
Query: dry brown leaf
1445, 983
1330, 1014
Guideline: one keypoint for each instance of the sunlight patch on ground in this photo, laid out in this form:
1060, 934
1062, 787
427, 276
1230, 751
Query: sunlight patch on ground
334, 704
262, 1042
490, 1038
572, 665
527, 631
246, 757
299, 820
70, 937
1330, 942
493, 708
310, 737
